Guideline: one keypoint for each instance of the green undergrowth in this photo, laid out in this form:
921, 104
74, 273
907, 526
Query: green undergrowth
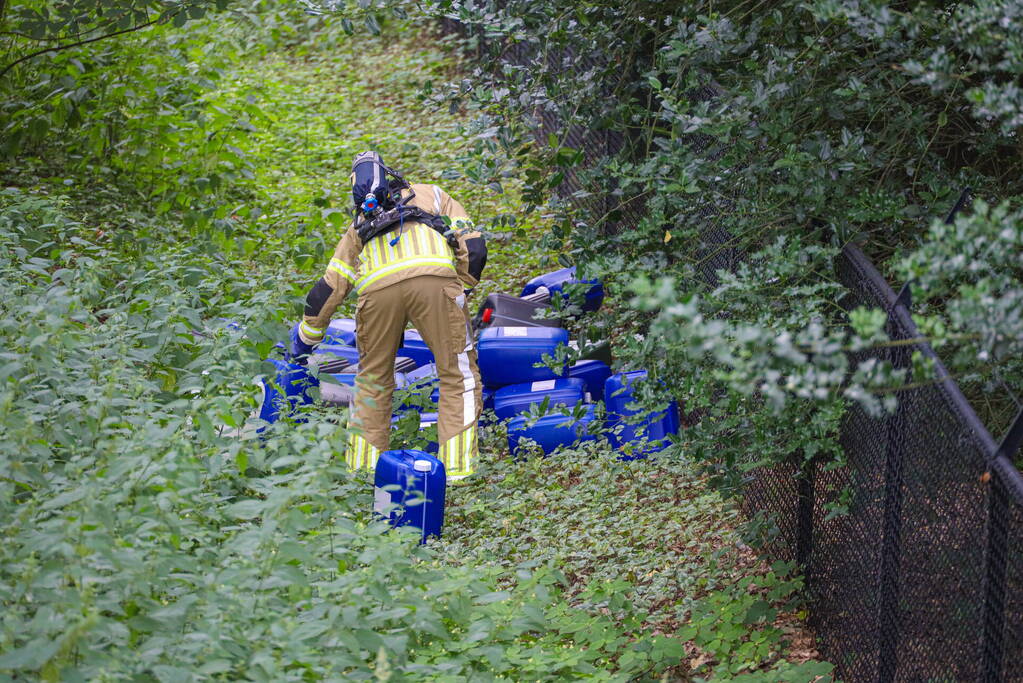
142, 542
647, 542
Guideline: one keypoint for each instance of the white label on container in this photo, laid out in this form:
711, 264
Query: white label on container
515, 332
381, 499
545, 385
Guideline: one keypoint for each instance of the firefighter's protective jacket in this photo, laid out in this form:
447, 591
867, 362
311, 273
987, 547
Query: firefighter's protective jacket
417, 249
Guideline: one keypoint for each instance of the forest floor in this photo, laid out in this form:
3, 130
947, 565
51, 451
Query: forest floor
647, 542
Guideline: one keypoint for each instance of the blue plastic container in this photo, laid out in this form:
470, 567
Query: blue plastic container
507, 354
514, 399
409, 491
553, 431
424, 374
340, 331
556, 281
285, 391
344, 378
413, 346
342, 351
654, 427
594, 373
424, 379
400, 381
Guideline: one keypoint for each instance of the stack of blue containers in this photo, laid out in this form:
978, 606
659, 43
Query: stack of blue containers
511, 360
545, 404
634, 434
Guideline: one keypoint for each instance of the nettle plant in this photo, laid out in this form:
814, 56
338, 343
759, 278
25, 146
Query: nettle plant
145, 540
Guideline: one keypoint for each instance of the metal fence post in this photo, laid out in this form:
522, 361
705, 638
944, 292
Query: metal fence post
804, 517
993, 647
996, 557
891, 543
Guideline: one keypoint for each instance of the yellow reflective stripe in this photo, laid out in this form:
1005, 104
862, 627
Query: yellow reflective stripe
374, 254
463, 438
339, 266
399, 248
351, 457
367, 256
360, 453
426, 240
438, 242
368, 461
458, 453
403, 264
417, 245
310, 331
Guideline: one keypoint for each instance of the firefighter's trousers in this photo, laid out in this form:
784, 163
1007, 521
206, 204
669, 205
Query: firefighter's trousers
436, 306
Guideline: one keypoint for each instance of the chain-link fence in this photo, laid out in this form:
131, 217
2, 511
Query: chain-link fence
922, 578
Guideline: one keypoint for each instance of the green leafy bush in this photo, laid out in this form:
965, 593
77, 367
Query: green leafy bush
785, 131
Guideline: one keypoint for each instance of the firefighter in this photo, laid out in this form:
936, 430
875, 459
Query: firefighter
411, 254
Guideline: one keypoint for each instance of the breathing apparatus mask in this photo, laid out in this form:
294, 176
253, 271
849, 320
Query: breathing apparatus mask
372, 191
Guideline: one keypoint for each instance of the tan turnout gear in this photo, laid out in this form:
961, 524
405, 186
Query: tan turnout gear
409, 274
436, 306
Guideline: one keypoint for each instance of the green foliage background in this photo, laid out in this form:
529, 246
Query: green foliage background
794, 128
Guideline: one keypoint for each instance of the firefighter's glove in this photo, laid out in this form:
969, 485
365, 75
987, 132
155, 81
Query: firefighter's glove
298, 350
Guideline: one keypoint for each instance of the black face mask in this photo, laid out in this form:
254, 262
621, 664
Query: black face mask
369, 177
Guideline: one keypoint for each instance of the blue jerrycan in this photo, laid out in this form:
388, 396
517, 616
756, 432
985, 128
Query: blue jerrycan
556, 281
594, 373
654, 427
341, 331
424, 382
414, 346
507, 354
286, 391
553, 431
409, 491
514, 399
334, 358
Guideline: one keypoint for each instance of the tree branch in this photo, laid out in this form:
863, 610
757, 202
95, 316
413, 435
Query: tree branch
79, 43
57, 39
